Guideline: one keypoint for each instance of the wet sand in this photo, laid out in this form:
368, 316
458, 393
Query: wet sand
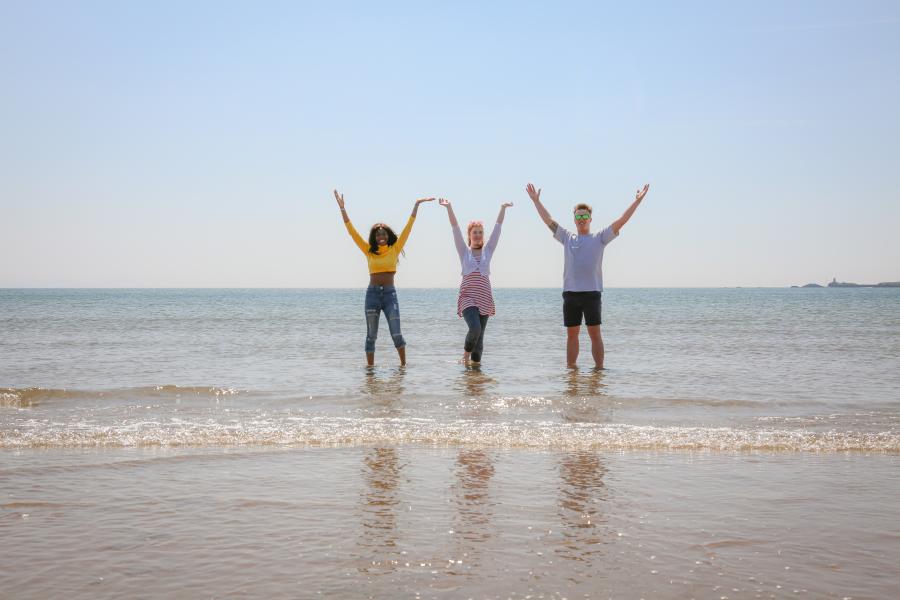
452, 522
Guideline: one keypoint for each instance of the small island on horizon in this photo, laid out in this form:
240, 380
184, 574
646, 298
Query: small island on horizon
843, 284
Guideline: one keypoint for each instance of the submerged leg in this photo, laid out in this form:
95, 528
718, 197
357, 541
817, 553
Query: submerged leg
392, 314
572, 345
373, 315
473, 321
596, 345
479, 344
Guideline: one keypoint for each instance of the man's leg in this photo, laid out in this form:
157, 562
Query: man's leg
572, 345
592, 308
596, 345
573, 315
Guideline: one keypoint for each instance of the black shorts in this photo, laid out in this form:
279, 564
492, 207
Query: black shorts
576, 304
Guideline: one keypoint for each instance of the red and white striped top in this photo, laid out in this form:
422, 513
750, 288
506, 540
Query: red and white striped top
475, 290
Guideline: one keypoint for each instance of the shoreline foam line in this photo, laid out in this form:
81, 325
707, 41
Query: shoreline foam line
337, 431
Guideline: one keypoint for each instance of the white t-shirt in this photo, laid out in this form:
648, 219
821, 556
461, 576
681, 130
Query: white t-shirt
583, 270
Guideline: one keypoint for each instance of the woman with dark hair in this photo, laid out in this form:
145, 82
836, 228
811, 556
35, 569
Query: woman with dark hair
476, 301
382, 251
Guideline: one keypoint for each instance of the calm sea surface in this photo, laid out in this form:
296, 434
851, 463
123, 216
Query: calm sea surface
740, 443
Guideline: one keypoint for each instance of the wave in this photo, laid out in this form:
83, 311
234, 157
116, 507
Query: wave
336, 431
32, 396
35, 396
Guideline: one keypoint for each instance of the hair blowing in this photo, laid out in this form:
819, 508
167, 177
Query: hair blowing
373, 244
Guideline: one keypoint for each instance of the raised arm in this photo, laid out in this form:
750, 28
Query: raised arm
404, 235
450, 214
620, 222
358, 240
495, 232
502, 214
535, 196
454, 225
416, 205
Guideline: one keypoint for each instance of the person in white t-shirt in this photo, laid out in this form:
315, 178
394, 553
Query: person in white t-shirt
583, 271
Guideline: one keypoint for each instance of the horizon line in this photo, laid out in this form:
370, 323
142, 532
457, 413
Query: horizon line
642, 287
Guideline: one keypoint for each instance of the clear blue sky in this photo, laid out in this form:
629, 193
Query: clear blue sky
197, 144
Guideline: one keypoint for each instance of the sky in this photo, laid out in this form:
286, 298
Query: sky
174, 144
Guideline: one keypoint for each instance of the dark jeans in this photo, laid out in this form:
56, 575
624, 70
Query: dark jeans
475, 338
382, 298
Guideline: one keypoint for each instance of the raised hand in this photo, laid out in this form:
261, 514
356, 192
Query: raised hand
446, 203
503, 208
418, 202
641, 193
340, 199
638, 196
535, 195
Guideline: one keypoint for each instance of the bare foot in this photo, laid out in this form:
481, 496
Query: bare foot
465, 359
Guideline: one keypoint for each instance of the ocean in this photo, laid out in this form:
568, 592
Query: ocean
740, 443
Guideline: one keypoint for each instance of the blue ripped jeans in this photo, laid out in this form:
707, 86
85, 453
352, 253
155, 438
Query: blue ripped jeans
382, 298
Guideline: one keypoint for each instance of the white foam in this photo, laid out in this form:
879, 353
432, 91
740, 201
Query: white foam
323, 431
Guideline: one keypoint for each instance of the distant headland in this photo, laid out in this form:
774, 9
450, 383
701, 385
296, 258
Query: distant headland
843, 284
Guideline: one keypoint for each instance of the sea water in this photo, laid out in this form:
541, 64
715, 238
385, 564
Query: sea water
739, 443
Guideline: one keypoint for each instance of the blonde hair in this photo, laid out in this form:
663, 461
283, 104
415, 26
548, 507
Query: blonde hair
472, 225
583, 206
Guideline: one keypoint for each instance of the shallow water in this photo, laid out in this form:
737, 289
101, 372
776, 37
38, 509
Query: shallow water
701, 369
740, 444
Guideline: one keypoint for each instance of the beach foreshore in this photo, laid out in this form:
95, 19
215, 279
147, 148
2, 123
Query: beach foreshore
409, 521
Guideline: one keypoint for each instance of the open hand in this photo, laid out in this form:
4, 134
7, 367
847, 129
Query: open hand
444, 202
340, 199
641, 193
535, 195
421, 200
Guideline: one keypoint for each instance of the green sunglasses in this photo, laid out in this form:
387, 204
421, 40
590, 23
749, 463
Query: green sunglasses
582, 217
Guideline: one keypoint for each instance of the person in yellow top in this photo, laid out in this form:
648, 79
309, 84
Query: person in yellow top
382, 251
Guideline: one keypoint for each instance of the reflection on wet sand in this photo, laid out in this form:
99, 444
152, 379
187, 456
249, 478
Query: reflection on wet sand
475, 383
379, 505
585, 399
585, 383
581, 506
383, 388
474, 509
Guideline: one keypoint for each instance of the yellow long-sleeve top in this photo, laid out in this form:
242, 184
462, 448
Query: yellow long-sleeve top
386, 259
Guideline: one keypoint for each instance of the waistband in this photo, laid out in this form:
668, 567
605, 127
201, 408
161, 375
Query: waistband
380, 288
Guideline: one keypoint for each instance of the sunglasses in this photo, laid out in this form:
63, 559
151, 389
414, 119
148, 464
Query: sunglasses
582, 217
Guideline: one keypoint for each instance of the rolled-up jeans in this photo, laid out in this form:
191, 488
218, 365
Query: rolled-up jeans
382, 298
475, 338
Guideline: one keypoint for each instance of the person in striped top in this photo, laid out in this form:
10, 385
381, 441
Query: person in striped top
475, 302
